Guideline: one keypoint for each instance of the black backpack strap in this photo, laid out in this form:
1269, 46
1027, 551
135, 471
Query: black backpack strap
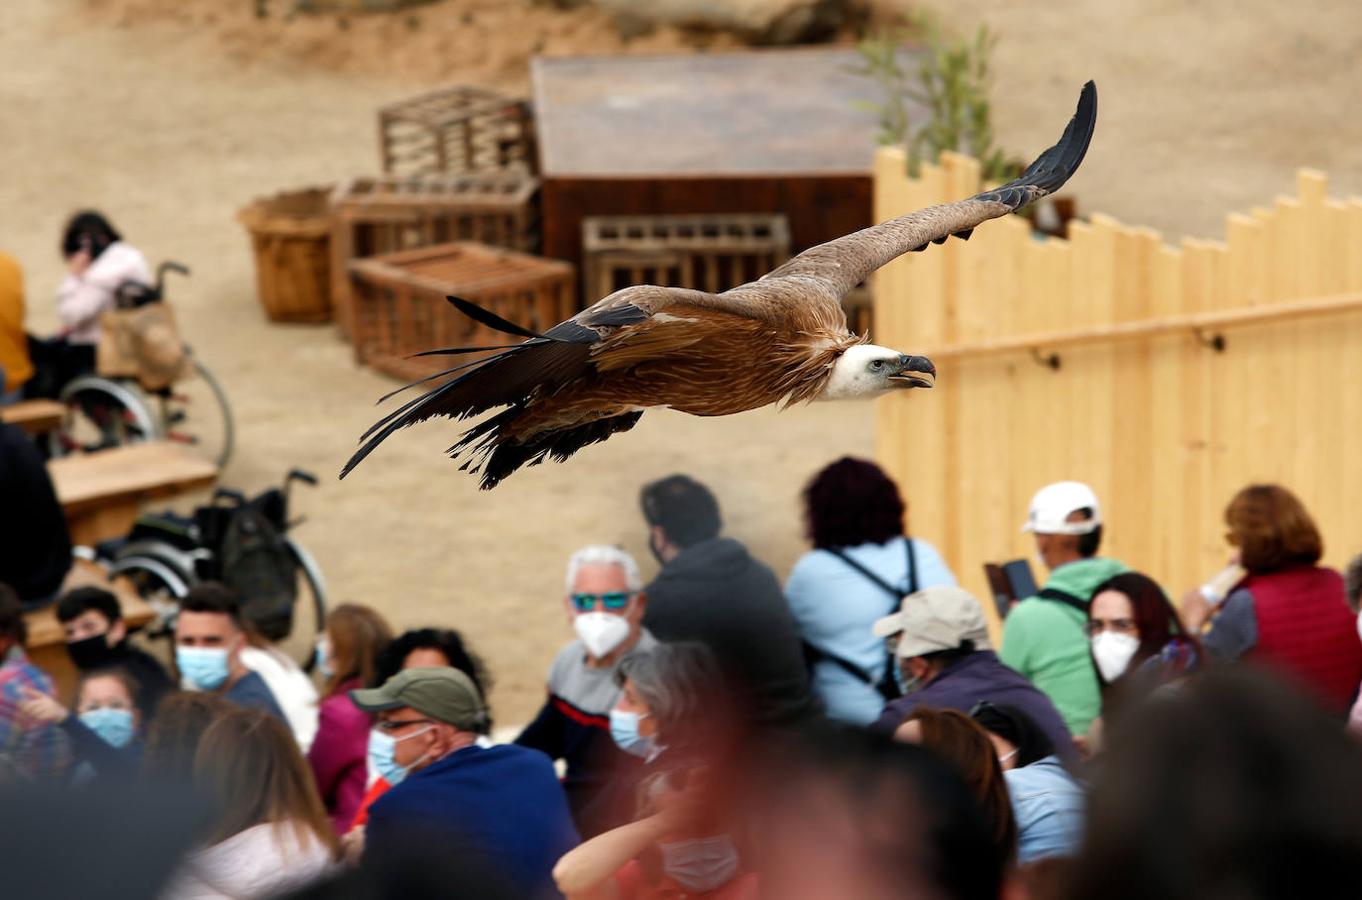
884, 585
912, 565
817, 654
1059, 596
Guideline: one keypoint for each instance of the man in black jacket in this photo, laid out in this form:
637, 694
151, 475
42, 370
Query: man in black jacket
35, 548
712, 591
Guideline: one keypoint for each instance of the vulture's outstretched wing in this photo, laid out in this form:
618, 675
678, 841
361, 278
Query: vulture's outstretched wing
842, 264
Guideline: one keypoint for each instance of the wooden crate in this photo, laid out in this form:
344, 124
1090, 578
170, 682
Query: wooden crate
400, 305
372, 216
711, 253
291, 241
457, 129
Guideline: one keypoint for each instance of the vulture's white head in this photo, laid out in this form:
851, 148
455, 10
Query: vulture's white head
865, 370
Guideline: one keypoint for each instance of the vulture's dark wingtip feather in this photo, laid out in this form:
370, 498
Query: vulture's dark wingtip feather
1057, 164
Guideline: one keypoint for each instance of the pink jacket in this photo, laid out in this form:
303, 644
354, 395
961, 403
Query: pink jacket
339, 755
81, 299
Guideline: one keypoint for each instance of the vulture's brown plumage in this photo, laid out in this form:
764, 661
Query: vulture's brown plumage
783, 337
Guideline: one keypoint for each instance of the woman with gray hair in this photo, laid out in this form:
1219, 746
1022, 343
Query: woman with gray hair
671, 699
672, 712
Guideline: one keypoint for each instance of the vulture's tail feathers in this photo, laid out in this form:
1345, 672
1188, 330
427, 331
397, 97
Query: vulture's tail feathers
495, 459
1053, 167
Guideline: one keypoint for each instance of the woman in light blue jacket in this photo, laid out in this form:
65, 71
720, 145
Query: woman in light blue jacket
861, 566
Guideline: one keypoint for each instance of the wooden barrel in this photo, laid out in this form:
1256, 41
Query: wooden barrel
291, 239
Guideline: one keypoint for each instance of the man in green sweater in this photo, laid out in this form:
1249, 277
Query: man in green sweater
1045, 637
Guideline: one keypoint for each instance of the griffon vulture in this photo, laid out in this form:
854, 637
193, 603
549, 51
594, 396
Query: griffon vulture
783, 337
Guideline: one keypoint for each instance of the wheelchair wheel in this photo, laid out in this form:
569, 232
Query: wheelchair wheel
195, 411
309, 613
102, 413
161, 577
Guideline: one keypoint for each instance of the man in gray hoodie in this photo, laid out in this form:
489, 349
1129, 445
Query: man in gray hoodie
711, 590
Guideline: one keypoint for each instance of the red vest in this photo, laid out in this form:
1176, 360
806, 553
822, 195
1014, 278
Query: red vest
1305, 628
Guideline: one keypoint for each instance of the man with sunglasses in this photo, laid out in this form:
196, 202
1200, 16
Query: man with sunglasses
605, 605
501, 805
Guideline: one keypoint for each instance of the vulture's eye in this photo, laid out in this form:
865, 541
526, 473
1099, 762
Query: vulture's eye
876, 365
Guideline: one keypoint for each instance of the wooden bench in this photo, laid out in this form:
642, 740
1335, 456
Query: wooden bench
37, 417
46, 645
103, 492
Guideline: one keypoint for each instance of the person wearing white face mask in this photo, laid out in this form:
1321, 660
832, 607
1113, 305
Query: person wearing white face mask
209, 637
605, 606
501, 804
1138, 642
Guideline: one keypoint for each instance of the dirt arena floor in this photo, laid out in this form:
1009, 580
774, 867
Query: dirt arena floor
170, 122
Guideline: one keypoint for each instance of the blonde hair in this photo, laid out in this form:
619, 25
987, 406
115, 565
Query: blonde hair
249, 764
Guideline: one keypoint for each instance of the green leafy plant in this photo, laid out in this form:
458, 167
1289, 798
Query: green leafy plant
951, 82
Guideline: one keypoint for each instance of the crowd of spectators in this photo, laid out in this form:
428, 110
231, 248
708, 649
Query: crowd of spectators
714, 734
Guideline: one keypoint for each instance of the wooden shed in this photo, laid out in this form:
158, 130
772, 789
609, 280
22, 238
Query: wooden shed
768, 131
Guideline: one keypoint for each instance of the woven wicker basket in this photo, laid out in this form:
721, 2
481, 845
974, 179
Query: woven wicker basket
291, 239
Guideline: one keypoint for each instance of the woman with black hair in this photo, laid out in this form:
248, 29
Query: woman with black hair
98, 264
861, 565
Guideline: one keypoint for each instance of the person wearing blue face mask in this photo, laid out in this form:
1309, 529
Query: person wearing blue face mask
210, 634
104, 728
674, 703
678, 847
502, 804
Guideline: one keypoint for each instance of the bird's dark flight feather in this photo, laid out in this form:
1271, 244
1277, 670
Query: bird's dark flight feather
1056, 165
490, 319
494, 461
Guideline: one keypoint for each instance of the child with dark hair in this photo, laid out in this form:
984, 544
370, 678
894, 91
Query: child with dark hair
97, 638
99, 263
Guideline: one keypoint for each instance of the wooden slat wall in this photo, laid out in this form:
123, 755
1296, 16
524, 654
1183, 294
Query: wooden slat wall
1164, 428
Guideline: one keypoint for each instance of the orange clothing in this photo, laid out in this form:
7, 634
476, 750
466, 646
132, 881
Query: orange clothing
376, 790
18, 368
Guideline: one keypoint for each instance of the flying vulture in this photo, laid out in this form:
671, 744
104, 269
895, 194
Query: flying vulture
781, 338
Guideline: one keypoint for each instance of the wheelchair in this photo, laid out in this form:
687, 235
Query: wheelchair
167, 554
106, 412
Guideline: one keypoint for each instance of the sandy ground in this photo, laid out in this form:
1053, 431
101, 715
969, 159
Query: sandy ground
170, 126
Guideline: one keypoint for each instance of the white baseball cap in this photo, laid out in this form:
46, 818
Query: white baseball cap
1051, 506
935, 618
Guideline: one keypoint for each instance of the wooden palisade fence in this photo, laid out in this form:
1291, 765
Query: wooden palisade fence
1184, 372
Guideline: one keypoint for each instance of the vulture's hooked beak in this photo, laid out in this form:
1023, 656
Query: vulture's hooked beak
914, 371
